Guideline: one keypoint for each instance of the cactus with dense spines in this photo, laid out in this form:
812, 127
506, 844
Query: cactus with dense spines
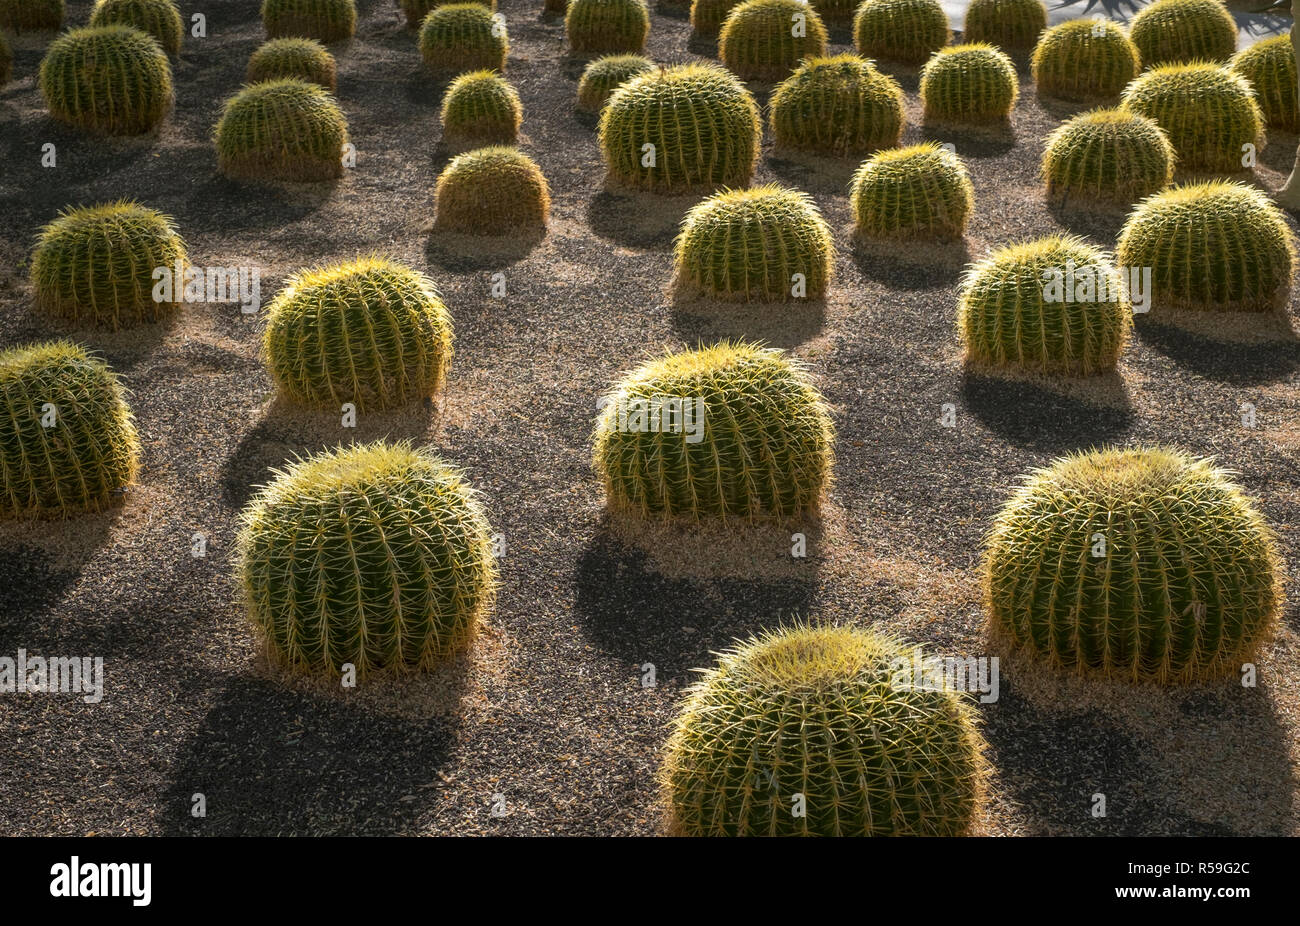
707, 16
834, 715
464, 37
1269, 67
699, 122
765, 39
1011, 25
1139, 564
6, 61
1085, 59
1054, 306
282, 130
32, 15
376, 555
67, 439
481, 108
113, 80
492, 191
1178, 31
837, 106
750, 438
906, 31
599, 27
158, 18
919, 192
969, 84
416, 10
94, 266
305, 59
606, 74
1209, 113
1215, 246
323, 20
371, 332
1108, 156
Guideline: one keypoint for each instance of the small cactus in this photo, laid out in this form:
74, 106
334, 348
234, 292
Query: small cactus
606, 74
416, 10
1180, 31
969, 84
111, 80
305, 59
906, 31
919, 192
158, 18
282, 130
481, 108
1085, 59
31, 15
837, 106
1011, 25
765, 39
492, 192
707, 16
463, 37
323, 20
1269, 67
1108, 156
599, 27
6, 61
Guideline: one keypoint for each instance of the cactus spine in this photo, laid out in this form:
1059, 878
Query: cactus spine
1269, 66
463, 37
765, 39
32, 15
282, 130
606, 74
599, 27
494, 191
1107, 156
111, 80
304, 59
324, 20
1181, 31
906, 31
1011, 25
919, 192
969, 84
837, 106
1085, 59
481, 108
158, 18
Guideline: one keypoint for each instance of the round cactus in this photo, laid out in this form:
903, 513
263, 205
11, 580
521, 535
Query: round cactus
1269, 67
918, 192
481, 108
31, 15
707, 16
828, 720
767, 243
95, 266
416, 10
113, 80
158, 18
464, 37
1085, 59
1214, 246
1139, 564
376, 555
606, 74
598, 27
1012, 25
282, 130
732, 430
1108, 156
1209, 112
1178, 31
765, 39
492, 191
969, 83
6, 61
323, 20
305, 59
837, 106
1054, 306
906, 31
678, 129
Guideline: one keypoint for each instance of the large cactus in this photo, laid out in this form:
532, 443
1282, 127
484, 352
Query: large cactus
463, 37
603, 76
598, 27
1011, 25
765, 39
1085, 59
495, 191
1180, 31
1109, 156
282, 130
922, 191
481, 108
323, 20
159, 18
113, 80
906, 31
32, 15
1270, 68
837, 106
305, 59
969, 83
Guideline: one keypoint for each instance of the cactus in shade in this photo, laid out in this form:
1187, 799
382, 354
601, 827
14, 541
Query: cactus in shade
112, 80
1269, 67
31, 15
1140, 564
833, 715
1107, 156
282, 130
6, 61
480, 108
1178, 31
1215, 246
836, 13
732, 430
1085, 59
556, 7
969, 84
707, 16
678, 129
1012, 25
94, 266
416, 10
1209, 113
766, 243
323, 20
599, 27
492, 191
919, 192
463, 37
378, 555
906, 31
837, 106
606, 74
765, 39
158, 18
67, 439
304, 59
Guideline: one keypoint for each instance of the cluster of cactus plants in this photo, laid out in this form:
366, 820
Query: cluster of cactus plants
323, 20
764, 40
919, 192
494, 191
32, 15
158, 18
111, 80
970, 83
1085, 59
305, 59
481, 108
906, 31
601, 77
1011, 25
1269, 67
1107, 156
287, 129
600, 27
1181, 31
837, 106
463, 37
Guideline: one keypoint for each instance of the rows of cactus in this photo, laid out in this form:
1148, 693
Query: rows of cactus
158, 18
1107, 156
765, 39
1181, 31
285, 129
707, 16
112, 80
6, 61
808, 731
969, 84
920, 192
906, 31
1269, 67
376, 556
480, 108
837, 106
32, 15
1085, 59
493, 191
323, 20
1011, 25
463, 37
304, 59
601, 77
416, 10
599, 27
68, 442
1140, 564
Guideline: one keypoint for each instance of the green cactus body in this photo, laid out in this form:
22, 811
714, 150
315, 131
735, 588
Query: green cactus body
827, 720
764, 40
919, 192
699, 121
906, 31
1108, 156
754, 442
304, 59
606, 74
378, 556
1085, 59
322, 20
111, 80
31, 15
67, 439
1179, 31
599, 27
707, 16
969, 84
836, 13
416, 10
1216, 246
837, 106
1011, 25
282, 130
6, 61
463, 37
1139, 564
370, 332
158, 18
1269, 67
481, 108
494, 191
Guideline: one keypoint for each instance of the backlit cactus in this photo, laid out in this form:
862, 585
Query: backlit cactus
282, 130
1085, 59
1011, 25
158, 18
969, 84
464, 37
31, 15
599, 27
837, 106
370, 332
323, 20
732, 430
305, 59
376, 556
1139, 564
822, 731
113, 80
765, 39
606, 74
1179, 31
494, 192
1107, 156
919, 192
416, 10
480, 108
906, 31
1269, 67
707, 16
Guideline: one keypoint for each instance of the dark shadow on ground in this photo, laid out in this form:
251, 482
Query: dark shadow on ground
1081, 217
783, 324
1237, 364
638, 220
911, 265
1035, 417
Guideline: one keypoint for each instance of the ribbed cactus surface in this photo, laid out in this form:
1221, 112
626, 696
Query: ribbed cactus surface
282, 130
1209, 113
606, 74
159, 18
494, 191
1180, 31
837, 106
416, 10
32, 15
304, 59
463, 37
906, 31
1085, 59
1270, 68
766, 39
112, 80
922, 191
969, 83
323, 20
600, 27
1107, 156
481, 108
1011, 25
707, 16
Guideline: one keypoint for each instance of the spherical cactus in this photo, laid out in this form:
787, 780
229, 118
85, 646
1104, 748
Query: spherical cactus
282, 130
113, 80
765, 39
906, 31
1140, 564
31, 15
481, 108
494, 192
1107, 156
678, 129
732, 430
1215, 246
1011, 25
1085, 59
606, 74
1177, 31
707, 16
376, 555
323, 20
304, 59
94, 266
1269, 67
831, 715
837, 106
463, 37
969, 83
158, 18
416, 10
370, 332
919, 192
6, 61
1054, 306
1209, 113
598, 27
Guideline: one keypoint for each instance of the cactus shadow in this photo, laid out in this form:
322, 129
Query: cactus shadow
1062, 109
815, 172
40, 562
1279, 153
1270, 352
1031, 415
636, 219
462, 253
224, 206
778, 324
706, 46
910, 265
907, 75
990, 140
1088, 218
